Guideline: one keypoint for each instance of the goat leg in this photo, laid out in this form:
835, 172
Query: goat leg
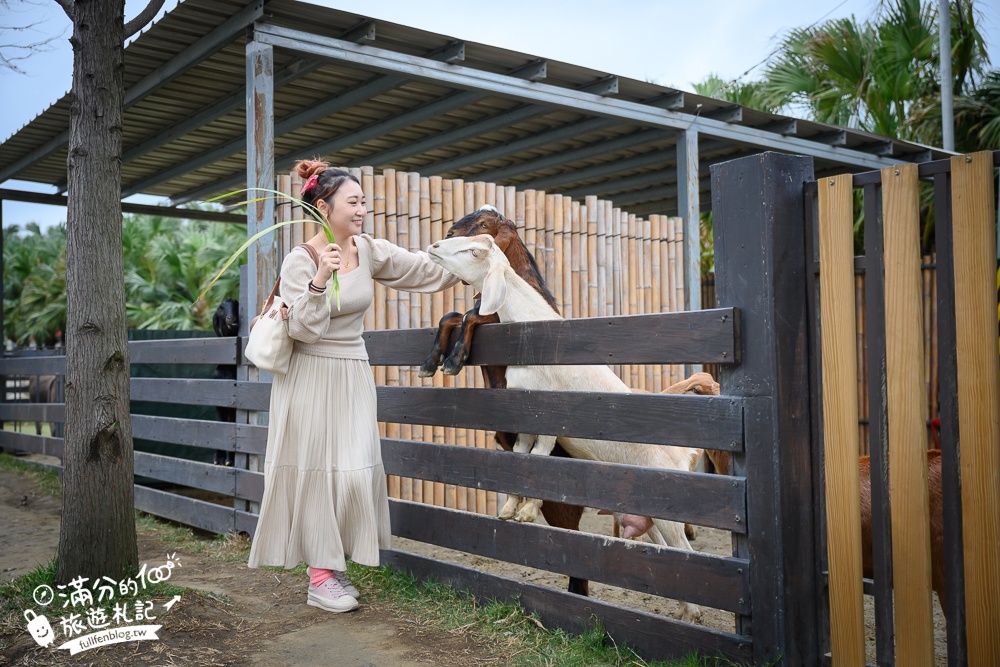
434, 359
463, 346
671, 534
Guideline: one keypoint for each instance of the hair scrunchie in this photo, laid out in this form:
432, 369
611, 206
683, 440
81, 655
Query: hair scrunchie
310, 182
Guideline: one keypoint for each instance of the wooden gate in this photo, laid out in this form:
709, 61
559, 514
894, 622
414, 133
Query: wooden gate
965, 228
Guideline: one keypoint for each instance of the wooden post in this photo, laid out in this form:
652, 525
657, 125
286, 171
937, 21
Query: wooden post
974, 251
910, 516
840, 419
761, 269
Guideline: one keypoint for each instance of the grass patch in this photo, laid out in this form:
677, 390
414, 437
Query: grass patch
504, 628
48, 481
229, 548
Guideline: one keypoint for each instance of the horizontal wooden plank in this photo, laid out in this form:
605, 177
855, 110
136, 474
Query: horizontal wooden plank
718, 501
249, 485
224, 393
197, 475
33, 365
713, 422
652, 637
42, 412
704, 579
185, 351
189, 511
29, 442
191, 432
702, 336
246, 522
251, 439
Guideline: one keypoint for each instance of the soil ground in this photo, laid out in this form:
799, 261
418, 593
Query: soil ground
258, 617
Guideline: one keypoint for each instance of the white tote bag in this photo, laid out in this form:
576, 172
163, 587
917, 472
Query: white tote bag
269, 347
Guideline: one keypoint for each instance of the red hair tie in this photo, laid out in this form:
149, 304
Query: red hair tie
310, 182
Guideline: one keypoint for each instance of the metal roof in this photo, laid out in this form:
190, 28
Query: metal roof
361, 91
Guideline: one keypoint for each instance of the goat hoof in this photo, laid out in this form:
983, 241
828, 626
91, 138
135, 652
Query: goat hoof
690, 613
526, 514
451, 370
426, 372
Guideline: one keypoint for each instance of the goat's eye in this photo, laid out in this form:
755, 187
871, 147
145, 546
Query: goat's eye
449, 235
475, 252
484, 226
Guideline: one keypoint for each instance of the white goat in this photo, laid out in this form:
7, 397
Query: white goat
479, 261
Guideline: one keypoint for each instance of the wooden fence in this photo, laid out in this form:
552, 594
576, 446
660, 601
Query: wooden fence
903, 327
596, 259
769, 419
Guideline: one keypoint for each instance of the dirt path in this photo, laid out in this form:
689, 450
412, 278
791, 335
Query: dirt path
258, 617
250, 617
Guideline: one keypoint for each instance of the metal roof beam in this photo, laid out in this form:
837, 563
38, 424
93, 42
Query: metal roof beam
605, 86
886, 147
834, 138
582, 153
128, 207
484, 126
731, 114
360, 93
597, 171
536, 70
364, 31
185, 60
669, 101
503, 150
329, 147
498, 84
489, 125
785, 128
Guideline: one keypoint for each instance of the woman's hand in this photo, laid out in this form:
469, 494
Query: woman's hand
329, 261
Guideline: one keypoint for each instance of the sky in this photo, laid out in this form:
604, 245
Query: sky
671, 42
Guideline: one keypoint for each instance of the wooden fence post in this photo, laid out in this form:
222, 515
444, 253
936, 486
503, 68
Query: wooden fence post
759, 222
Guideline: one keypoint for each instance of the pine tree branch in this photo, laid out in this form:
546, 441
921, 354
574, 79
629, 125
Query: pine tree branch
144, 17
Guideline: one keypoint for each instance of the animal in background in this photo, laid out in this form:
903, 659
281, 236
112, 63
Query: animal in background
225, 323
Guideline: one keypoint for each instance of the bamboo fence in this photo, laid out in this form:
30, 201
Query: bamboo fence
596, 259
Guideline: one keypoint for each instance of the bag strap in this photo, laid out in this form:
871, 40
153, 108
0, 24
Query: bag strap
312, 252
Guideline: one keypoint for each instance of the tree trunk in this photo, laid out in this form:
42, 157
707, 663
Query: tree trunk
97, 534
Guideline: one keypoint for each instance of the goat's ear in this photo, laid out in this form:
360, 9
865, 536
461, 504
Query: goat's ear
494, 290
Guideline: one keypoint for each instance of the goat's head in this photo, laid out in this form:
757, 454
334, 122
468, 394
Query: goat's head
226, 321
480, 262
486, 220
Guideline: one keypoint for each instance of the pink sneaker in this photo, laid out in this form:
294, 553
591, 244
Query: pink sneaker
331, 596
342, 579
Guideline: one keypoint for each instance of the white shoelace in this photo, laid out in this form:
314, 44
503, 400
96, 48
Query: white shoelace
334, 587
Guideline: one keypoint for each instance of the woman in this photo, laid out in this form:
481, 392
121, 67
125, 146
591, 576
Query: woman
325, 494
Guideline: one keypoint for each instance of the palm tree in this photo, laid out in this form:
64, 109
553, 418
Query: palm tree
876, 75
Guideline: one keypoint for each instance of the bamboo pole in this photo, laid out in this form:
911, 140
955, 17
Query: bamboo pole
655, 282
435, 186
567, 259
530, 231
631, 372
409, 489
974, 220
447, 220
549, 268
647, 291
840, 420
617, 285
579, 249
593, 300
555, 285
602, 261
393, 429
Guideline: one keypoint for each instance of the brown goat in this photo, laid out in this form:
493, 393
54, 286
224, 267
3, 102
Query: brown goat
936, 517
936, 507
487, 220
